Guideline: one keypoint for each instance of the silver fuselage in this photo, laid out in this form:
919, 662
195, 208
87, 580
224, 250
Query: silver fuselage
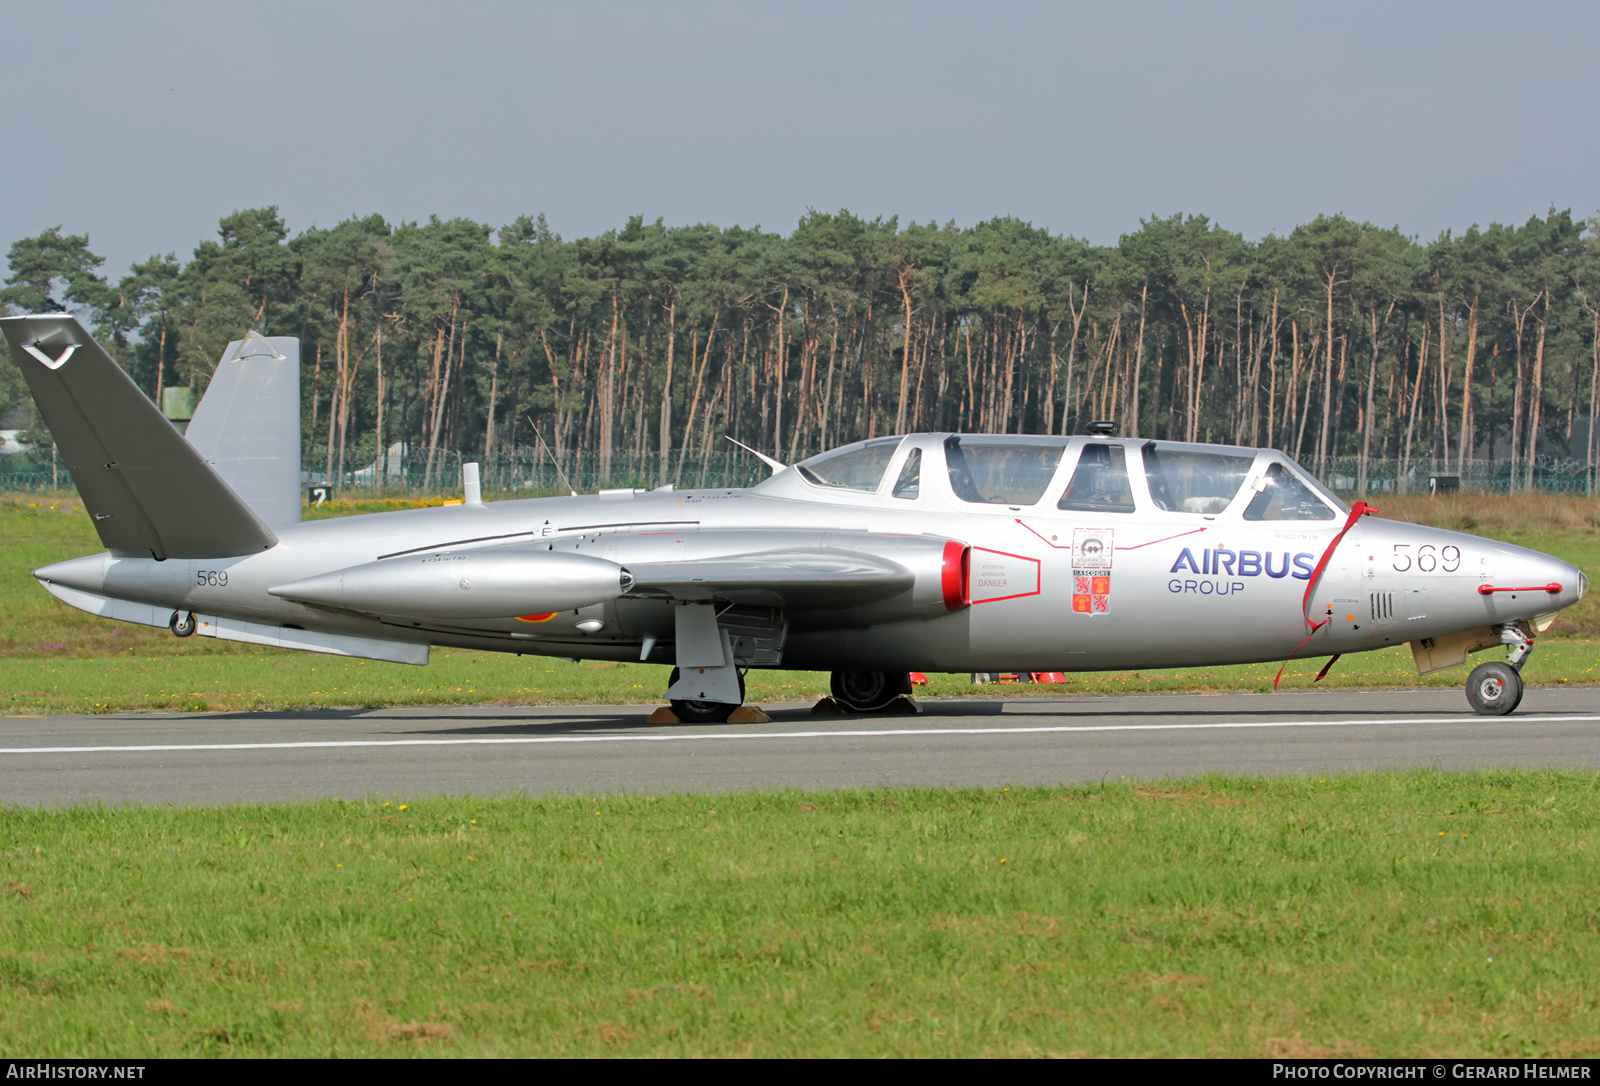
1042, 589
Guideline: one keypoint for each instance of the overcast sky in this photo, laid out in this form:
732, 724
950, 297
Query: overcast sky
142, 124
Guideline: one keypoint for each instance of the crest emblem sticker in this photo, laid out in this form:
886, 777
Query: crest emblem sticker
1091, 570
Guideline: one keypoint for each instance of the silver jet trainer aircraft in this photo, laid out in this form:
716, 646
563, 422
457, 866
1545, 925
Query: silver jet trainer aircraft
934, 552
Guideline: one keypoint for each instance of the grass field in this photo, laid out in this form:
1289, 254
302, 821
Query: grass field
1382, 914
54, 659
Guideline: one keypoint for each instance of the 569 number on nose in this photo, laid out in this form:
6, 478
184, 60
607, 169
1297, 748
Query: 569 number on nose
1426, 558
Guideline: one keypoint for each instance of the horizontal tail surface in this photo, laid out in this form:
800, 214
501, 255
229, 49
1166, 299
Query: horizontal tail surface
148, 490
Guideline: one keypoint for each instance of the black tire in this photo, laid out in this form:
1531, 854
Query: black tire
702, 712
181, 623
1494, 689
869, 691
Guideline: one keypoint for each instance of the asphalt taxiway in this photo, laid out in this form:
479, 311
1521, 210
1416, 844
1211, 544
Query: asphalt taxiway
205, 758
217, 758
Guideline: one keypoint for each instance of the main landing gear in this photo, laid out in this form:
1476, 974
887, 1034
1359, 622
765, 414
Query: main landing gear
181, 623
1495, 689
692, 711
706, 685
869, 691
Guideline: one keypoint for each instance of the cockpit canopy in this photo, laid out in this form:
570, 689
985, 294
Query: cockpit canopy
1066, 474
857, 467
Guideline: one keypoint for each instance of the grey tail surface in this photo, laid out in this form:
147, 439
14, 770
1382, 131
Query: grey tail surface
247, 427
148, 490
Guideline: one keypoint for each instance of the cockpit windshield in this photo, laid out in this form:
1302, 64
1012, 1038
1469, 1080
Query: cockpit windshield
1001, 470
857, 467
1283, 496
1187, 480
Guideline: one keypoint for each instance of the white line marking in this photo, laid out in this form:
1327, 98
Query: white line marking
737, 737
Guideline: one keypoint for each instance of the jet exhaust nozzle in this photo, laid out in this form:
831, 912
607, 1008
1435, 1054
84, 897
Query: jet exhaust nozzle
465, 584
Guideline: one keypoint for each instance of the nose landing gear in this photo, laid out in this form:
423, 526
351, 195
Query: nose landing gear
1495, 689
181, 623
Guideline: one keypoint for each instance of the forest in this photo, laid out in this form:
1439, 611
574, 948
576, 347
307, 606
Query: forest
1354, 348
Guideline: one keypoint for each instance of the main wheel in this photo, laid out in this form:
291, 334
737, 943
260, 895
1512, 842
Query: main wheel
181, 623
1494, 689
869, 691
702, 712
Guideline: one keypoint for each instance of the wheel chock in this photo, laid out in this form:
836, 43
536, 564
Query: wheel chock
901, 706
663, 715
827, 707
748, 714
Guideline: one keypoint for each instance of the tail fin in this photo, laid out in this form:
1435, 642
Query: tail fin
148, 490
247, 427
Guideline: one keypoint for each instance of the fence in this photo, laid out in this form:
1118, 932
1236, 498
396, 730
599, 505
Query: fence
1343, 475
520, 472
532, 472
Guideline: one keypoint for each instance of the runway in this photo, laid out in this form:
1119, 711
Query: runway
219, 758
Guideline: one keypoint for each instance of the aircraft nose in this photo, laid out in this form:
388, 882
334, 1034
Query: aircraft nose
1574, 585
1527, 578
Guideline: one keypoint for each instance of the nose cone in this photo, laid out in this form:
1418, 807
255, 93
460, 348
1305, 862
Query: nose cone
1519, 583
1554, 585
1574, 585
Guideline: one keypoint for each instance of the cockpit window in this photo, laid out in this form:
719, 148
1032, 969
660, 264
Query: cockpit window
1285, 497
1190, 481
1000, 471
1099, 482
858, 467
910, 476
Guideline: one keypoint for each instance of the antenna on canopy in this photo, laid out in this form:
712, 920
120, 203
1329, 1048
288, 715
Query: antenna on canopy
775, 465
557, 464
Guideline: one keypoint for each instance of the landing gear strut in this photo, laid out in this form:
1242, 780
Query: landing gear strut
869, 691
1495, 689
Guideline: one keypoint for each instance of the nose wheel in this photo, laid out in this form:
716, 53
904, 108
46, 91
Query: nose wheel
1494, 689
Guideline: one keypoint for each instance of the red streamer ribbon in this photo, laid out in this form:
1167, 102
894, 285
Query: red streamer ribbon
1357, 511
